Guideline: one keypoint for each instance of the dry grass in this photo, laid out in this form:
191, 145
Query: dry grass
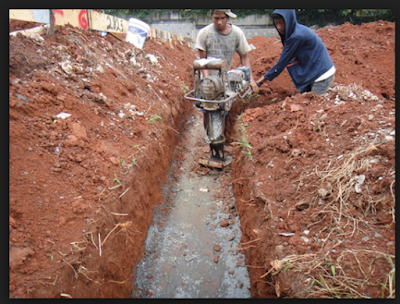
343, 280
342, 195
353, 272
343, 181
339, 278
96, 227
125, 228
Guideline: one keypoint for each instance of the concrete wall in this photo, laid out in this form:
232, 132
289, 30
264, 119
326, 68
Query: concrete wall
254, 25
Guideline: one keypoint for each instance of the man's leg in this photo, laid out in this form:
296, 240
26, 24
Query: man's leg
306, 89
320, 87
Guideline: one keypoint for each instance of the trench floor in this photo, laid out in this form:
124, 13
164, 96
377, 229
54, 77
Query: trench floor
188, 253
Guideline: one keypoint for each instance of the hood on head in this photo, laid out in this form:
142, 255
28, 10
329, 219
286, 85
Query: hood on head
289, 15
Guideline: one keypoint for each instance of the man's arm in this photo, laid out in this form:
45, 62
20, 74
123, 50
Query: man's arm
201, 47
245, 60
203, 54
287, 54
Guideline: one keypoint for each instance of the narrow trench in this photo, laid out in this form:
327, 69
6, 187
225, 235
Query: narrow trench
188, 253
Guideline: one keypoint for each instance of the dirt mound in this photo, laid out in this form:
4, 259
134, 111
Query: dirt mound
92, 125
314, 176
362, 54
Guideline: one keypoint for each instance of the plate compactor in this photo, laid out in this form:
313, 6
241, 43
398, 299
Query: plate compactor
214, 95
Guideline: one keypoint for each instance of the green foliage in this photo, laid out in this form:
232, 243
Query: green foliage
187, 13
116, 179
242, 142
323, 17
247, 12
116, 12
345, 12
133, 160
141, 13
184, 88
154, 118
308, 17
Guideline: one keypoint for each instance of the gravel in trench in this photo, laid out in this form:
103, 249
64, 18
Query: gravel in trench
190, 253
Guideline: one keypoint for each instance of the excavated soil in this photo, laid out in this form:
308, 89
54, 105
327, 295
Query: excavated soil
317, 197
94, 177
315, 193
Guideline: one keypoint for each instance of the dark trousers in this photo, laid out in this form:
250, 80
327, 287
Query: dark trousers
319, 87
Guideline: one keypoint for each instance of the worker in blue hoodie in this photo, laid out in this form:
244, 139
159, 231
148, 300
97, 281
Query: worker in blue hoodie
304, 55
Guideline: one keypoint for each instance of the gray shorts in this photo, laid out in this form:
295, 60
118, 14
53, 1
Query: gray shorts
319, 87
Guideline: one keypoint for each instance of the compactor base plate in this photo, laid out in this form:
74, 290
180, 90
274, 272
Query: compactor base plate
213, 162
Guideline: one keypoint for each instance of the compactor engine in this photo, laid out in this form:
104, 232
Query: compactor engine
215, 94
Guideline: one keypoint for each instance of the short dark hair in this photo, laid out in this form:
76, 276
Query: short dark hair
276, 16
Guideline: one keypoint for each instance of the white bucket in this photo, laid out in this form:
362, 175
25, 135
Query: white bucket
137, 32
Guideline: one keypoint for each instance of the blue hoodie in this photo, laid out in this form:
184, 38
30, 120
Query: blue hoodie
304, 54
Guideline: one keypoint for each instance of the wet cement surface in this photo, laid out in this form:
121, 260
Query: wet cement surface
188, 253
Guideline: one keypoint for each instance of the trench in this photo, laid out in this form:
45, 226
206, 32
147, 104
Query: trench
188, 254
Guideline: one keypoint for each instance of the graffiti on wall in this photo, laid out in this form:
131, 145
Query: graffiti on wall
82, 17
115, 24
75, 17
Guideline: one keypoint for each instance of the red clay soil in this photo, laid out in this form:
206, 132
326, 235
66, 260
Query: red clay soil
82, 188
308, 154
361, 54
94, 177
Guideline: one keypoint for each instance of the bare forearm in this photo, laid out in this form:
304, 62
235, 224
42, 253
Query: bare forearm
203, 54
245, 60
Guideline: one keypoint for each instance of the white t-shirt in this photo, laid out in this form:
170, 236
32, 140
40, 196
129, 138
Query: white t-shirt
222, 46
326, 75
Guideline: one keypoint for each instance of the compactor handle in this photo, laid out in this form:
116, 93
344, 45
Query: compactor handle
248, 91
207, 100
210, 63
